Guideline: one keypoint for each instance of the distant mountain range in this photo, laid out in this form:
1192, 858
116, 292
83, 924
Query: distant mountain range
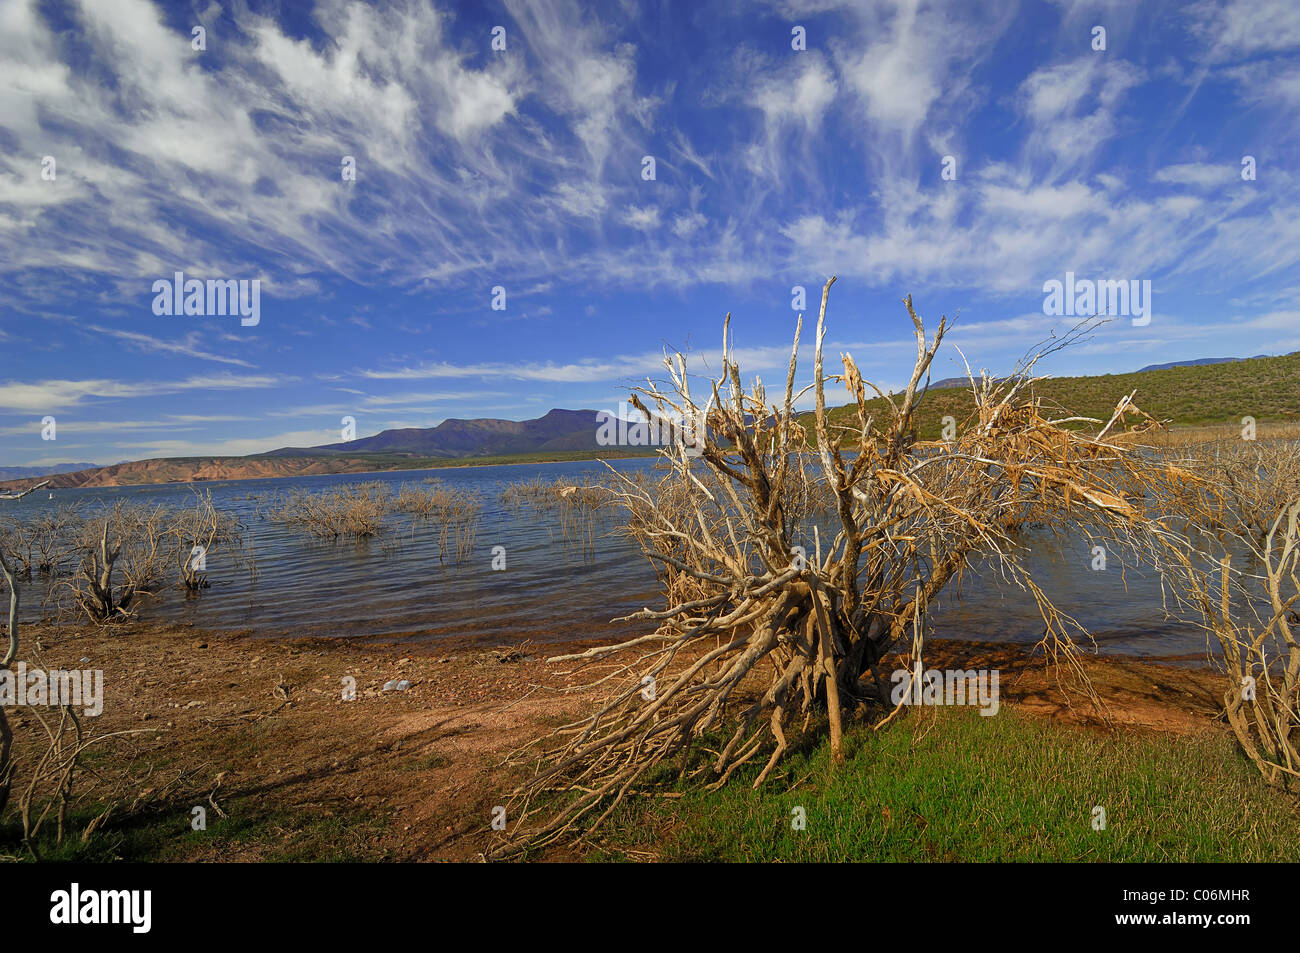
22, 473
557, 431
1199, 362
952, 382
1202, 392
559, 434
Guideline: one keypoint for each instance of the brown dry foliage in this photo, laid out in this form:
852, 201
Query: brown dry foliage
763, 626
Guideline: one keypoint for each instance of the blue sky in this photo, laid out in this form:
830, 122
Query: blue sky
523, 169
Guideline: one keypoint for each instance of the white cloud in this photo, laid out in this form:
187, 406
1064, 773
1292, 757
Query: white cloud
1072, 107
187, 347
895, 75
686, 225
585, 370
1198, 174
587, 80
804, 100
229, 447
909, 61
643, 219
1244, 27
50, 396
1267, 84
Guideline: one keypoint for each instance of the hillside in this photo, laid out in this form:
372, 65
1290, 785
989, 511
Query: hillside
1266, 388
188, 469
556, 436
208, 469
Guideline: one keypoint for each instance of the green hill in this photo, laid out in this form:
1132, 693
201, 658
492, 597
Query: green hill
1266, 388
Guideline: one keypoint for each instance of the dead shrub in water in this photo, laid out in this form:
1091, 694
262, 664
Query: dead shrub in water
55, 531
102, 560
356, 510
576, 510
18, 539
198, 530
364, 510
424, 502
454, 513
131, 541
762, 626
42, 542
1247, 483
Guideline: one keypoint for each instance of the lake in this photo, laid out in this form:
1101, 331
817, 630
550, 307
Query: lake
395, 587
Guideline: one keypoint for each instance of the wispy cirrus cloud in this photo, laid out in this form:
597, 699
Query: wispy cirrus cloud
187, 347
49, 396
524, 169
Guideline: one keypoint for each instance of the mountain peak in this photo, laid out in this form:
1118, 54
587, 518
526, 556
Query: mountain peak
557, 430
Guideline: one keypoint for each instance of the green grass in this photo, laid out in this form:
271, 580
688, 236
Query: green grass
426, 762
1263, 388
951, 785
249, 831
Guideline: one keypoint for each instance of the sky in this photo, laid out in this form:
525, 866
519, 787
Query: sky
543, 195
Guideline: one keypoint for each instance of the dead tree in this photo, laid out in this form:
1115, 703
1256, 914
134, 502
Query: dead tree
128, 541
1253, 616
19, 494
767, 619
11, 652
195, 532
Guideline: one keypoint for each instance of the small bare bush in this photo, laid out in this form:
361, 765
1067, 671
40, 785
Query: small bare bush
6, 659
123, 554
574, 512
363, 510
44, 782
1250, 611
356, 510
1247, 483
453, 513
55, 531
196, 532
42, 542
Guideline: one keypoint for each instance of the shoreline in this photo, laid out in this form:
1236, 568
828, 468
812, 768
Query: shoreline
1176, 436
454, 463
421, 641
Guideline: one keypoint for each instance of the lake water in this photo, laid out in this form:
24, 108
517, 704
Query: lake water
395, 587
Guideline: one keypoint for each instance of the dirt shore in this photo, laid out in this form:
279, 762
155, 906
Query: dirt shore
258, 729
